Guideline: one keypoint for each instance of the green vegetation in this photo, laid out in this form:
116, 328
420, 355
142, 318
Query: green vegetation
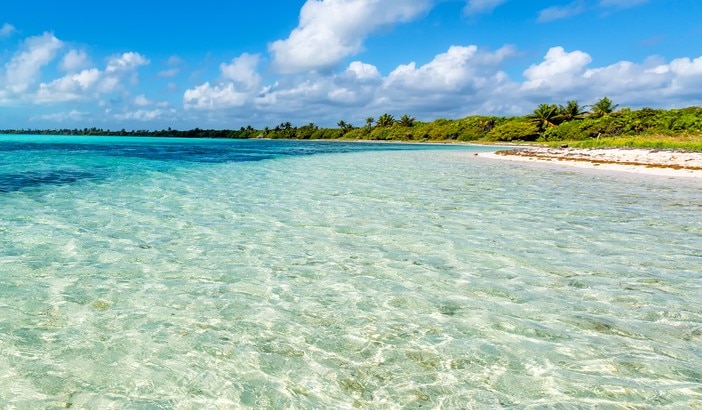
599, 125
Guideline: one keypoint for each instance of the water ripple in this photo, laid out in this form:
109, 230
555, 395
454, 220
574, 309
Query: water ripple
375, 279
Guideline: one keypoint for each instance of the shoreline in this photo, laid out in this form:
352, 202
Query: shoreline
641, 161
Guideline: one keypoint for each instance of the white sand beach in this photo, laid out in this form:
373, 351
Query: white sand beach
642, 161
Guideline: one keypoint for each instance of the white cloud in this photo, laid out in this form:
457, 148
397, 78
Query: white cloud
557, 69
73, 115
470, 80
482, 6
356, 86
7, 30
141, 100
207, 97
566, 75
686, 67
459, 81
242, 71
24, 69
362, 72
144, 115
462, 80
239, 83
21, 80
75, 60
108, 84
71, 87
125, 62
687, 77
460, 69
88, 83
624, 80
330, 30
561, 12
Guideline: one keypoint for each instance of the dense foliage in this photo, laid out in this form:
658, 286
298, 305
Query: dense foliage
593, 125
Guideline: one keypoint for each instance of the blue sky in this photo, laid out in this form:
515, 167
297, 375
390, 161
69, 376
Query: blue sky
214, 64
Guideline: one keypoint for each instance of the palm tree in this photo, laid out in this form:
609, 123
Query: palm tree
545, 115
406, 121
571, 111
603, 107
345, 126
369, 122
385, 120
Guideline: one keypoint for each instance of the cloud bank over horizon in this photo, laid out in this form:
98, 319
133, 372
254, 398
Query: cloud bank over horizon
324, 70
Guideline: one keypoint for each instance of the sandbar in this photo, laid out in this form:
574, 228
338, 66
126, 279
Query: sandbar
642, 161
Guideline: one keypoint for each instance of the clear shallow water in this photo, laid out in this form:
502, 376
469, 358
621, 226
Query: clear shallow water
188, 274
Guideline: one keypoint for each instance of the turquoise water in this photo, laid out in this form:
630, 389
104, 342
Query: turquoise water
148, 273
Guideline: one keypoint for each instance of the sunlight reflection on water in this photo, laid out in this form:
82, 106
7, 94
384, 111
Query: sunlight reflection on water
393, 278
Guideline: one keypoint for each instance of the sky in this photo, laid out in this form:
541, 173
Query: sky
226, 64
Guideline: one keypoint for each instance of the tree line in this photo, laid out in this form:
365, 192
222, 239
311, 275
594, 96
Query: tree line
548, 122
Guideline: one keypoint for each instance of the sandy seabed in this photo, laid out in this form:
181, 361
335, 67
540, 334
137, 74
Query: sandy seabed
642, 161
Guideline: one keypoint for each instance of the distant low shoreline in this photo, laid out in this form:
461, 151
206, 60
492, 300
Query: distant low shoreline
642, 161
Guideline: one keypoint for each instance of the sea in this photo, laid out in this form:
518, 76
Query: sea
159, 273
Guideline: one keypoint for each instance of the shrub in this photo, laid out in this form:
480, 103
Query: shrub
571, 131
516, 129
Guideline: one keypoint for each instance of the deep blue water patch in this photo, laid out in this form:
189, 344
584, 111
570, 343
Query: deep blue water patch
32, 161
21, 180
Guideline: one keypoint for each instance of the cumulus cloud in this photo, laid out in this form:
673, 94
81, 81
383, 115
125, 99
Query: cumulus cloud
330, 30
557, 69
356, 86
625, 81
686, 76
463, 79
206, 96
7, 30
242, 71
471, 80
75, 60
141, 100
24, 69
482, 6
88, 83
71, 87
564, 75
686, 67
125, 62
362, 72
460, 69
238, 84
